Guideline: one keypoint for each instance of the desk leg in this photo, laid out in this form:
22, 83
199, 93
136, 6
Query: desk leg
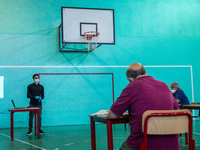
109, 135
35, 123
11, 125
199, 112
38, 124
93, 136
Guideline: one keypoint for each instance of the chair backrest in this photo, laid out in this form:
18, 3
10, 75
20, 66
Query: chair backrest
162, 122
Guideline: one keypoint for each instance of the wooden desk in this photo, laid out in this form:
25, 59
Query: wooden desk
35, 109
193, 106
108, 122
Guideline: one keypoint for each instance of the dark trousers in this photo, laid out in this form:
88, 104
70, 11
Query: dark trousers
125, 147
32, 113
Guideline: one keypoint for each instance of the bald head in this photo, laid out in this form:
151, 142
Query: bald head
135, 66
135, 70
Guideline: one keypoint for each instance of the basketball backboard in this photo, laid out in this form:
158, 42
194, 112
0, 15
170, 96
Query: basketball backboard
77, 21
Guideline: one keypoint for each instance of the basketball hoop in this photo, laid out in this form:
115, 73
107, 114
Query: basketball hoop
92, 38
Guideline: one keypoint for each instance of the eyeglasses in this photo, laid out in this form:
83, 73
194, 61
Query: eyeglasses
172, 87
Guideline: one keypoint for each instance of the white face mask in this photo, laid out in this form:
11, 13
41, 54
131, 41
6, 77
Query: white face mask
37, 80
173, 91
130, 80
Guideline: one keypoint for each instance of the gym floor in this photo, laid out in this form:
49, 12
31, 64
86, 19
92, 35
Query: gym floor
75, 138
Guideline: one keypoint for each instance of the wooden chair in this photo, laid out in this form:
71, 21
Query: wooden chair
164, 122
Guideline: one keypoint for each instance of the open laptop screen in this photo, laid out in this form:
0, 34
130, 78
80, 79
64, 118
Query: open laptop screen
13, 103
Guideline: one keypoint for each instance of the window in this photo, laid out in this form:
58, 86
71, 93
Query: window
1, 86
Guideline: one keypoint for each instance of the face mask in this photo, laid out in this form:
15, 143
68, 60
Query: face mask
173, 91
130, 79
37, 80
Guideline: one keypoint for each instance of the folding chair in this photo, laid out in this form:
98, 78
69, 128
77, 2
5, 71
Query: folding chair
165, 122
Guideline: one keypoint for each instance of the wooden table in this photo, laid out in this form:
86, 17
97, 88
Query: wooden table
35, 109
193, 106
108, 122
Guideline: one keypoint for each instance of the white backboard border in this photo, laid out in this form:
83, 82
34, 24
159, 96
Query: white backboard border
83, 24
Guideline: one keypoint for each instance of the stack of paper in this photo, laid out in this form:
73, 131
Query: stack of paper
104, 113
101, 113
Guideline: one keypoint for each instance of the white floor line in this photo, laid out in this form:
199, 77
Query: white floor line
69, 144
23, 141
87, 140
56, 148
196, 133
119, 138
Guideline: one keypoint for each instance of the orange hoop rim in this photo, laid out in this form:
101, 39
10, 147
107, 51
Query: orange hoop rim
88, 35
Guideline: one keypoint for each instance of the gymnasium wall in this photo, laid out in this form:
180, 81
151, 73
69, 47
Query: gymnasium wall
152, 32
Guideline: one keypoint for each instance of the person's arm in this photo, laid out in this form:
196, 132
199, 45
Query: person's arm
175, 103
111, 115
120, 105
29, 93
179, 95
178, 101
42, 93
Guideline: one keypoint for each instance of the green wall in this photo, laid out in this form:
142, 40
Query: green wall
152, 32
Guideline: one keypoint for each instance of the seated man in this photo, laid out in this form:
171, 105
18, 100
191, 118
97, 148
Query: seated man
141, 94
179, 95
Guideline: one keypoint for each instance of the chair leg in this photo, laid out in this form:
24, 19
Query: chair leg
186, 138
125, 126
142, 146
193, 144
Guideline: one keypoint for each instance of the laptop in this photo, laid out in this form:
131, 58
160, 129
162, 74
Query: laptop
15, 106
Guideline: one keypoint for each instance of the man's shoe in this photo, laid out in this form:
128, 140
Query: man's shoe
42, 132
29, 133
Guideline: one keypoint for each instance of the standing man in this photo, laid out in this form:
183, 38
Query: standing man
35, 92
179, 95
141, 94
